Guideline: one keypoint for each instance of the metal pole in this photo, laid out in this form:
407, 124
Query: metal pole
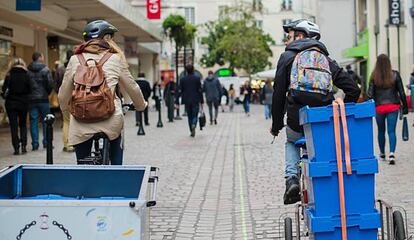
388, 37
398, 45
177, 90
141, 131
49, 120
158, 104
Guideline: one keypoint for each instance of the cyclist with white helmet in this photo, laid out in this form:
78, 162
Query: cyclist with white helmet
99, 49
305, 75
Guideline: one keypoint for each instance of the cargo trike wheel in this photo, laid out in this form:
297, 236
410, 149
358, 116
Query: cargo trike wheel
399, 231
288, 229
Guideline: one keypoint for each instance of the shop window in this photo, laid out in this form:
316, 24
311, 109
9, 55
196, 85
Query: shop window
5, 57
259, 24
286, 5
189, 15
284, 22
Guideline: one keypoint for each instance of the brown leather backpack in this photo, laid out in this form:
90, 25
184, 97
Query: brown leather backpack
92, 99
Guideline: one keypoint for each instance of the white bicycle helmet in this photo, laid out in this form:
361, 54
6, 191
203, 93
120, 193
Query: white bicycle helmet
310, 29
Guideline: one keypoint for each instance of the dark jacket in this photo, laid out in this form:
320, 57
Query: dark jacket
282, 81
145, 87
355, 77
246, 92
393, 95
18, 84
41, 82
58, 77
169, 90
212, 89
191, 90
412, 79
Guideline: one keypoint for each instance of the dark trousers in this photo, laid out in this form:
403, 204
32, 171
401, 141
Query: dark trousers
210, 105
170, 107
17, 119
192, 114
116, 151
138, 116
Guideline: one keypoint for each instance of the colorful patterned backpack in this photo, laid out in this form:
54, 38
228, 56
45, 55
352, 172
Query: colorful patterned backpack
311, 73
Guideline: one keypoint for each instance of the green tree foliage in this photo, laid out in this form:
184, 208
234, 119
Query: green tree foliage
235, 40
176, 28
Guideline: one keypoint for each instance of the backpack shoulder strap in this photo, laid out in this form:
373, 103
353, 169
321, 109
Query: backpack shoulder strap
81, 59
104, 58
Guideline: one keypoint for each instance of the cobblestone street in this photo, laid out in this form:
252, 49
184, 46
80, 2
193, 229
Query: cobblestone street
227, 182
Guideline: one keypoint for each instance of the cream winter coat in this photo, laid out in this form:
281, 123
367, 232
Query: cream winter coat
116, 72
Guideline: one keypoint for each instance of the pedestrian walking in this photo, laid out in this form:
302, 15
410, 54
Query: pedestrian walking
267, 96
146, 92
295, 88
60, 72
410, 87
169, 97
225, 94
246, 91
232, 96
355, 77
387, 89
16, 90
41, 86
157, 95
213, 92
192, 96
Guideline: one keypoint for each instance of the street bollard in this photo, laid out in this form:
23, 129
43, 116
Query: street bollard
141, 131
158, 104
49, 120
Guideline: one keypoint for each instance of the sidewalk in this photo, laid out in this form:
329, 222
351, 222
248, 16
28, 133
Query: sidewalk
227, 182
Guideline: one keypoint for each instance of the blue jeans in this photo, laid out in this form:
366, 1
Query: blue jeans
192, 114
292, 152
268, 111
391, 119
116, 151
246, 106
36, 110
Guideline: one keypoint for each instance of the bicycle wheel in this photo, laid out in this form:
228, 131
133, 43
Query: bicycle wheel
399, 228
288, 229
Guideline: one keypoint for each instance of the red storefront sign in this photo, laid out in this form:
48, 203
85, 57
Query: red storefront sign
153, 9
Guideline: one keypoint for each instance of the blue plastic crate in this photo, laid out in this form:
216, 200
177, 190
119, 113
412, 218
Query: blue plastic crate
359, 226
319, 131
321, 180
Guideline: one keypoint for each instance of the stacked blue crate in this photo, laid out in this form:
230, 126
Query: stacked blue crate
321, 173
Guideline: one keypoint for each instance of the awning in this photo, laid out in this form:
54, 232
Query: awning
266, 74
69, 17
361, 50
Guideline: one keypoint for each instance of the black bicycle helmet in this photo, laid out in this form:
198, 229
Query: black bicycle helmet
98, 29
310, 29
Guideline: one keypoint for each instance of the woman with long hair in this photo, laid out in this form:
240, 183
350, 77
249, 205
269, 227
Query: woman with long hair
16, 90
386, 88
98, 45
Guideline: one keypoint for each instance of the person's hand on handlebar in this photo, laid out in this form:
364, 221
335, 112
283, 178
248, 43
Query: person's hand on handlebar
127, 107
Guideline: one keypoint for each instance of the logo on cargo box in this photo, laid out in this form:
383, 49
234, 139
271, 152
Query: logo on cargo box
102, 224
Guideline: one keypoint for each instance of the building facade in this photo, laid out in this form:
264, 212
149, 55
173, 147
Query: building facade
383, 26
58, 27
271, 17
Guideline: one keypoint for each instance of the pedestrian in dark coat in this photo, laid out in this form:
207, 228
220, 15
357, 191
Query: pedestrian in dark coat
42, 84
212, 89
192, 96
16, 90
146, 92
169, 97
